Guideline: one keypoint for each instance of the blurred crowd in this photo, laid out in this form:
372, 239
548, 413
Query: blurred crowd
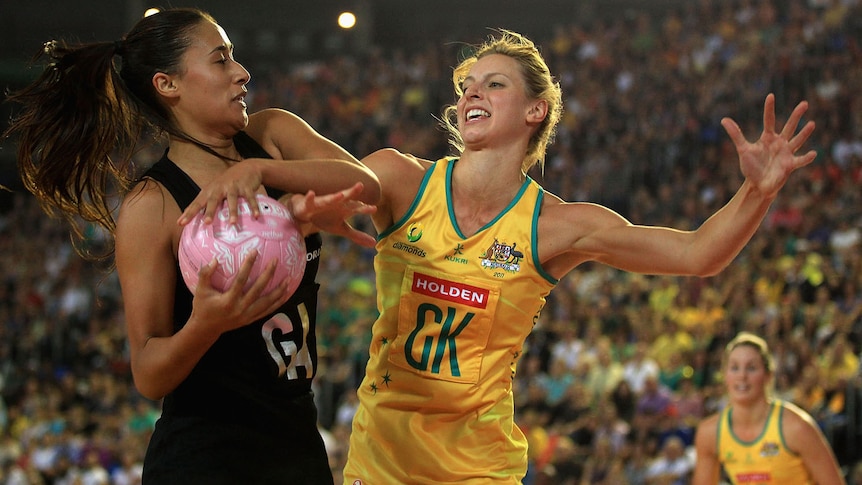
620, 367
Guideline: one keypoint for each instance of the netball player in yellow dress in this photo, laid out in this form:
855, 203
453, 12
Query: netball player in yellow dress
756, 439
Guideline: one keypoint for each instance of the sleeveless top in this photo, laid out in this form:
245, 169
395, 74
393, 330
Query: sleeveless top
436, 403
252, 374
763, 461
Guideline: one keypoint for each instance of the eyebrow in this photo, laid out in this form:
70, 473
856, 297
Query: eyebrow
486, 76
223, 48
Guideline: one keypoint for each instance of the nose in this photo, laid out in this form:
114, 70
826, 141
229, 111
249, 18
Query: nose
243, 75
472, 91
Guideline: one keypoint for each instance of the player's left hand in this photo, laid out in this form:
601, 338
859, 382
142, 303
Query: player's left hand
240, 180
768, 162
331, 213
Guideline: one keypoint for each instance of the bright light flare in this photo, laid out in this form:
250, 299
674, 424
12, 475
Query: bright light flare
346, 20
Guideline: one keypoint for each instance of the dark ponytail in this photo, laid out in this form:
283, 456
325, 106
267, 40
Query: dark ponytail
76, 131
82, 119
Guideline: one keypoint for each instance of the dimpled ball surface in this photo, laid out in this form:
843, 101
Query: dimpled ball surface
274, 234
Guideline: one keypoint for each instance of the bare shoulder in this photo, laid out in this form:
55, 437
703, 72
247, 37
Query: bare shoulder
145, 196
400, 176
803, 436
706, 434
707, 466
796, 416
710, 421
391, 164
147, 215
798, 427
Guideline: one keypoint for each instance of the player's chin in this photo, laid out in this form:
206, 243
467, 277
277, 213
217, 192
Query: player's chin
243, 120
239, 116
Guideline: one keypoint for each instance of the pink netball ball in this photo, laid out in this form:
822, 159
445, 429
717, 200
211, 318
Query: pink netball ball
274, 234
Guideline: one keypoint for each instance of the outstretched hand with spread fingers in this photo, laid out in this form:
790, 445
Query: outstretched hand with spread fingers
769, 161
331, 213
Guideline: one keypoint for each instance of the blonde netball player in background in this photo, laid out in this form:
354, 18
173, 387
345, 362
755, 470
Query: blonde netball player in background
756, 439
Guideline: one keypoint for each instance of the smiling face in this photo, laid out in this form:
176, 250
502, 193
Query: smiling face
494, 108
207, 97
746, 375
528, 69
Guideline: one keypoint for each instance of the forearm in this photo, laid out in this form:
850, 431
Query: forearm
165, 362
721, 237
321, 176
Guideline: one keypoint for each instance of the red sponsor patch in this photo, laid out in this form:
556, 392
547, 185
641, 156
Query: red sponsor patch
450, 290
754, 477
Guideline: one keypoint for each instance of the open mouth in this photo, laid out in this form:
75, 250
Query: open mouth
474, 114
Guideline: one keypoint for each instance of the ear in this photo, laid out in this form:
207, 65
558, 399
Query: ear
538, 111
165, 85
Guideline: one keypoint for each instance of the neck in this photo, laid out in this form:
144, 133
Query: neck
192, 153
754, 412
481, 189
489, 174
481, 196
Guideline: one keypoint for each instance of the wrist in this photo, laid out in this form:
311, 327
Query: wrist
752, 192
291, 201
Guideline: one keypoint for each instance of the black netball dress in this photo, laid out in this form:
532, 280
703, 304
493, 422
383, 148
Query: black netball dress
246, 413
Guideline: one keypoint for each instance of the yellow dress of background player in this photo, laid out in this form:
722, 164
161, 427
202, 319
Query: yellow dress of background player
757, 440
435, 405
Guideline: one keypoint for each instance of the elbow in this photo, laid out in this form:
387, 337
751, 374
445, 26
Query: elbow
149, 392
371, 190
703, 264
710, 269
151, 389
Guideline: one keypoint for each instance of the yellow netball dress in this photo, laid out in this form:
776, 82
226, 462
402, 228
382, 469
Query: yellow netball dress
436, 402
764, 461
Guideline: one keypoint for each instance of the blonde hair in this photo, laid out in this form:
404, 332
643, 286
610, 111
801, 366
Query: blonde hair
757, 343
539, 85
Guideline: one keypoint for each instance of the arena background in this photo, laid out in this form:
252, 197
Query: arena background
274, 33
